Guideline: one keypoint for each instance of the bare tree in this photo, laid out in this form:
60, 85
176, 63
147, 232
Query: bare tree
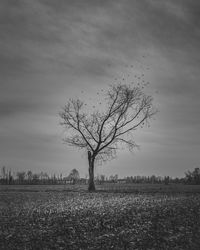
102, 132
21, 176
3, 172
29, 176
74, 176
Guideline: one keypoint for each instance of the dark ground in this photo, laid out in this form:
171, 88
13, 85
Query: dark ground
117, 217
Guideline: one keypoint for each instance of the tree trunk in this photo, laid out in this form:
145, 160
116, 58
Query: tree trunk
91, 186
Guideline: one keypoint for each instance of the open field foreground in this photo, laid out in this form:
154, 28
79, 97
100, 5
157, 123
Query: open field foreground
108, 187
101, 220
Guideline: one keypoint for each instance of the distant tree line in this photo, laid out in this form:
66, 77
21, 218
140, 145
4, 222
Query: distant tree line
30, 178
191, 177
153, 179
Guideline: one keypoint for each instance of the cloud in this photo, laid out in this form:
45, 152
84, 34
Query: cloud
12, 108
60, 37
49, 50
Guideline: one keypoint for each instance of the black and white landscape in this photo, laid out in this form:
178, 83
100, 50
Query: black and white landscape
99, 124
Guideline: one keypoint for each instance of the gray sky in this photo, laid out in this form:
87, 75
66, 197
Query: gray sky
53, 50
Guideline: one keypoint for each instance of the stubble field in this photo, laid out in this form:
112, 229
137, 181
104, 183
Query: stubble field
54, 218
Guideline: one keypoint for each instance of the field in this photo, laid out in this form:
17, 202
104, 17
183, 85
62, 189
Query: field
115, 217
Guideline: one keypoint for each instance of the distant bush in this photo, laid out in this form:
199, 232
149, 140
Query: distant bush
193, 177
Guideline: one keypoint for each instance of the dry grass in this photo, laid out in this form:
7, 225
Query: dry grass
42, 219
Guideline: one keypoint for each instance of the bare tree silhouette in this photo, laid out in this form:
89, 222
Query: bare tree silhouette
102, 132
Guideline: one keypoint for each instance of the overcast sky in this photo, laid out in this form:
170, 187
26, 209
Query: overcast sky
53, 50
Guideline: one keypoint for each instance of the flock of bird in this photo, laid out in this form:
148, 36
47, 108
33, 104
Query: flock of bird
137, 79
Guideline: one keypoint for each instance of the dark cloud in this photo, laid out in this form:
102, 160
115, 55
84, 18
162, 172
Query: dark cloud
50, 49
13, 108
11, 65
47, 31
